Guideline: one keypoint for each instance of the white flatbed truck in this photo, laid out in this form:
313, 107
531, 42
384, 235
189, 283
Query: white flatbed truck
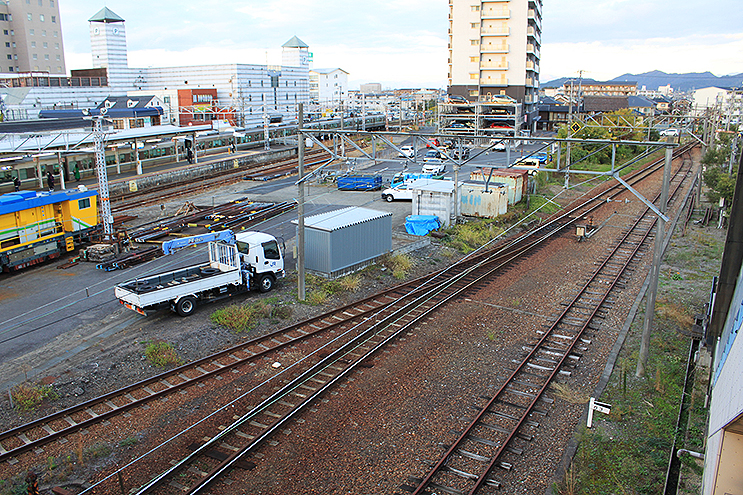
253, 262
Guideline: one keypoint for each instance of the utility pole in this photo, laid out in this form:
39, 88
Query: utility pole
651, 296
570, 135
300, 207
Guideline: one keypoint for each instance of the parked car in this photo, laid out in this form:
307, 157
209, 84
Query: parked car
457, 99
530, 162
399, 192
500, 146
432, 142
669, 132
431, 156
406, 152
542, 157
455, 153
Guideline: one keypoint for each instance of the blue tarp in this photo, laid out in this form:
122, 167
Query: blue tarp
421, 224
360, 183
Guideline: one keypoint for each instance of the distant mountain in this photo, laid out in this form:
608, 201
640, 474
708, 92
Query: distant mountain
679, 82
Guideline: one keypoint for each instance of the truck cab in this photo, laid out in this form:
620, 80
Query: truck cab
261, 254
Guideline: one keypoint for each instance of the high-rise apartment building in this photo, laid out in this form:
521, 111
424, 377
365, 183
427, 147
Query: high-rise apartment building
494, 49
31, 37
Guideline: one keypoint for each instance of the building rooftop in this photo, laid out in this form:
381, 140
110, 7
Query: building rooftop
327, 71
345, 217
295, 43
106, 15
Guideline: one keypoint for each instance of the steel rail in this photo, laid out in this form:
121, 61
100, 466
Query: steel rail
340, 316
482, 479
428, 296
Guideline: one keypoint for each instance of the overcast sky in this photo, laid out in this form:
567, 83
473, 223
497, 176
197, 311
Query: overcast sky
403, 43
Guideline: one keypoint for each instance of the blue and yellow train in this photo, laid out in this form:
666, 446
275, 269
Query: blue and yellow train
38, 226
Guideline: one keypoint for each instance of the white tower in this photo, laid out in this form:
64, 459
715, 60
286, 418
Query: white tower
295, 53
108, 45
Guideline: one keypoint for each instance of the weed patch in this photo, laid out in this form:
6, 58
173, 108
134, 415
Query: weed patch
241, 318
161, 354
27, 397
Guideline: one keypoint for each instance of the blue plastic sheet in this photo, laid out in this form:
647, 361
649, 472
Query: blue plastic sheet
421, 224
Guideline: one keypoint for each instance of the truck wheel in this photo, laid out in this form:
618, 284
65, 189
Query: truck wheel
185, 306
266, 283
389, 198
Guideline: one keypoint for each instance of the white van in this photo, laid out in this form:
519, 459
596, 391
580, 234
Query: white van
399, 192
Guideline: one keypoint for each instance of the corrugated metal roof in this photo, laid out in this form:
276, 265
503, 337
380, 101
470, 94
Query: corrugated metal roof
22, 200
345, 217
445, 186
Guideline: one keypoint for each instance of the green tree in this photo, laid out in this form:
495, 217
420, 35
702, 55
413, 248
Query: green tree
716, 162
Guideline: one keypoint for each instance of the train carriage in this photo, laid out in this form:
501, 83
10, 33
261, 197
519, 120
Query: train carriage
35, 226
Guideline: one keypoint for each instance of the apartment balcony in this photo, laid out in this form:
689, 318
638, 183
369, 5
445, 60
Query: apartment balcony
532, 66
534, 33
532, 82
496, 14
535, 18
495, 48
532, 49
491, 31
486, 80
494, 66
536, 5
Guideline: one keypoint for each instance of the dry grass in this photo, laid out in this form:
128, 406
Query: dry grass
674, 312
350, 283
564, 392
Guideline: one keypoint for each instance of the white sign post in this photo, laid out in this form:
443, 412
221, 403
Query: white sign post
594, 405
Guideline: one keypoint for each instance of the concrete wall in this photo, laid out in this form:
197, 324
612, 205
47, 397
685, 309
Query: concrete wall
722, 473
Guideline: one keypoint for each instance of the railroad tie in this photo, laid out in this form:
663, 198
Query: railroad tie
243, 435
70, 421
446, 489
197, 471
459, 472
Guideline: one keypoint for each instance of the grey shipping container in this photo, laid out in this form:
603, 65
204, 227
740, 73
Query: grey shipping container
341, 241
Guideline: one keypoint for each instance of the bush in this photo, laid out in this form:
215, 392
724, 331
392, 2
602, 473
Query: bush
350, 283
282, 312
399, 264
28, 397
161, 354
240, 318
317, 297
470, 236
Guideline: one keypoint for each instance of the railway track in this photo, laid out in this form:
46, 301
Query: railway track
509, 419
347, 336
198, 471
155, 195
